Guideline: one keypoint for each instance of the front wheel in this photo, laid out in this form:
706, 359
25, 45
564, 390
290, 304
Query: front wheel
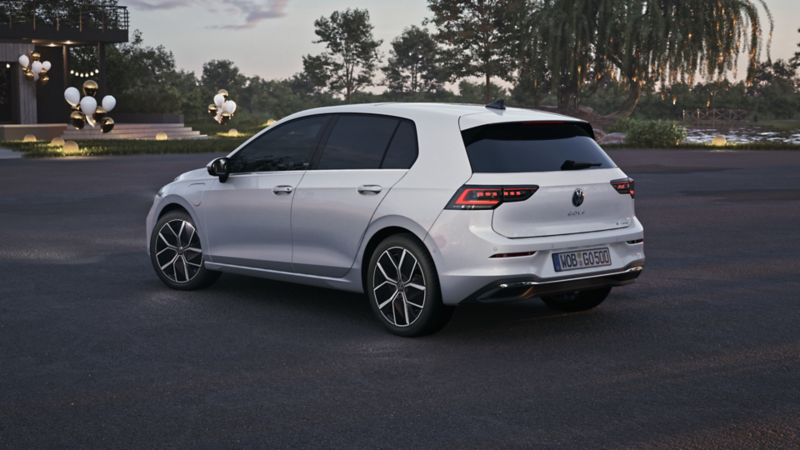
177, 254
403, 288
577, 301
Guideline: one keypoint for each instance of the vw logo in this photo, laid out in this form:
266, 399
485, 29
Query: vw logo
577, 197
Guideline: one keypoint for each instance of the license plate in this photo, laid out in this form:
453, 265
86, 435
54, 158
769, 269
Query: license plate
582, 259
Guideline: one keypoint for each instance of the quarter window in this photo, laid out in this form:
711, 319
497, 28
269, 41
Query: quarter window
402, 151
287, 147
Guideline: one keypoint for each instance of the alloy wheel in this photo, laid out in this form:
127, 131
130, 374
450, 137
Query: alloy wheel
178, 251
399, 286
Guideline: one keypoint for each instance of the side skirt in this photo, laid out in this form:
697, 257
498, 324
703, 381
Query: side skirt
343, 284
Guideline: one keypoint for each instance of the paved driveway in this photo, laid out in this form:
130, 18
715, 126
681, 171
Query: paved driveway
703, 351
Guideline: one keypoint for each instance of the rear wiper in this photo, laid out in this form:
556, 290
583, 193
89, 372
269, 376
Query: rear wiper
578, 165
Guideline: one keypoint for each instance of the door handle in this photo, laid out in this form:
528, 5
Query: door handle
281, 190
369, 189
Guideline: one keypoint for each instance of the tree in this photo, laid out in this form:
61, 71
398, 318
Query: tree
351, 56
674, 40
796, 58
562, 36
474, 93
479, 37
533, 77
222, 74
143, 79
412, 66
776, 84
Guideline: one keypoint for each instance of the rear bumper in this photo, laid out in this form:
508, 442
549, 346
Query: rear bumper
462, 245
521, 289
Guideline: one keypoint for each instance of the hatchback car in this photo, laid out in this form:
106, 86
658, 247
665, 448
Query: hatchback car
420, 206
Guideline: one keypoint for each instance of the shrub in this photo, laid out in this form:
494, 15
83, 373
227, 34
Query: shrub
623, 125
654, 134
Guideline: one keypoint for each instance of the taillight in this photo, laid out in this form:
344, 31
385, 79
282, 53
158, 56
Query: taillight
623, 186
489, 197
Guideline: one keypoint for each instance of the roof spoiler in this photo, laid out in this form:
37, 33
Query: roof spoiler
497, 104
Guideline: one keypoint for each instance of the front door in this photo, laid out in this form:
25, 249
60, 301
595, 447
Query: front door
363, 158
248, 217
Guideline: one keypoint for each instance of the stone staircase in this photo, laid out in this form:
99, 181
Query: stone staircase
133, 131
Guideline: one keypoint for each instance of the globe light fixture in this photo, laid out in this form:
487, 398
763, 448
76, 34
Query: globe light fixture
233, 132
57, 142
29, 138
719, 140
161, 136
70, 147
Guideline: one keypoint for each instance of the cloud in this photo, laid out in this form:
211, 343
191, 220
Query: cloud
148, 6
253, 11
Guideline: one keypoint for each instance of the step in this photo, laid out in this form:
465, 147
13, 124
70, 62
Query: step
134, 131
126, 132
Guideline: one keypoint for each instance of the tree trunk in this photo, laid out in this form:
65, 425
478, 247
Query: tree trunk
627, 107
488, 89
563, 98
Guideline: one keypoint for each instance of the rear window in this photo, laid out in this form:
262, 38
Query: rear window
531, 147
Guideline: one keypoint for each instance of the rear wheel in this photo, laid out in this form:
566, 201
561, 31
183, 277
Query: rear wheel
577, 301
403, 288
177, 254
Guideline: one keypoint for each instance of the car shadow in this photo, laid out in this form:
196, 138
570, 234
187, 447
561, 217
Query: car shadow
337, 309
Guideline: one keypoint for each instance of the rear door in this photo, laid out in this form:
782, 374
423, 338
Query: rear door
572, 172
362, 158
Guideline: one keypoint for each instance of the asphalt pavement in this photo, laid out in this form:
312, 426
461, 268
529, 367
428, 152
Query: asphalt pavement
703, 351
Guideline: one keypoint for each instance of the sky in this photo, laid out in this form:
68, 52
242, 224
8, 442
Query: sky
269, 37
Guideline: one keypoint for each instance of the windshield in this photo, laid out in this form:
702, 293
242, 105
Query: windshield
533, 147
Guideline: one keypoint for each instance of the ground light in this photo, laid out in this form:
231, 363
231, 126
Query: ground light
233, 132
57, 141
161, 136
29, 138
719, 140
70, 147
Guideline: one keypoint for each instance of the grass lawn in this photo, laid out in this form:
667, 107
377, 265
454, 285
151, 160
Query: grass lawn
696, 146
106, 147
780, 124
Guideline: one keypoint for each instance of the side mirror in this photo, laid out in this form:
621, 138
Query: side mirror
219, 168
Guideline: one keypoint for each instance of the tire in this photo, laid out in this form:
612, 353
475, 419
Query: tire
577, 301
409, 305
177, 255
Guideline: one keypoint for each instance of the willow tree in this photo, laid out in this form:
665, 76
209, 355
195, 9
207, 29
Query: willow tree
671, 41
564, 33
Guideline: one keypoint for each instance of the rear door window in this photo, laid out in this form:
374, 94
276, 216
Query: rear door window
358, 142
531, 147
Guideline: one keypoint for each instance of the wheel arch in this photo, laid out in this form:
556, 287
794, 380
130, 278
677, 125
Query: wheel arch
174, 203
379, 231
171, 207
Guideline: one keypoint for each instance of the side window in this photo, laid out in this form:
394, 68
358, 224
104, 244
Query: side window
284, 148
357, 142
403, 150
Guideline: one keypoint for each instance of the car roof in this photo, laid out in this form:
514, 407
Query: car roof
469, 115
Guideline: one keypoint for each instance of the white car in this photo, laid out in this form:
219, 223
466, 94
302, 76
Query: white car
420, 206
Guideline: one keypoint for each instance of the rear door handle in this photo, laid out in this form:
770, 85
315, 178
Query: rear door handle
369, 189
281, 190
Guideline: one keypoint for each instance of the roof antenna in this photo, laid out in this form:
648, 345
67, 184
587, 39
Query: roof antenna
498, 104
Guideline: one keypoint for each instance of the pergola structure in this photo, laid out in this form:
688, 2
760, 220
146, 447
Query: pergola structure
51, 28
